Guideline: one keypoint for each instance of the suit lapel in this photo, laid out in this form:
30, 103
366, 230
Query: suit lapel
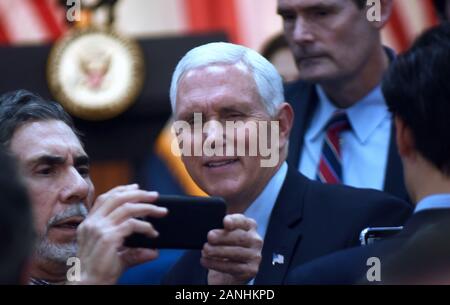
282, 234
303, 99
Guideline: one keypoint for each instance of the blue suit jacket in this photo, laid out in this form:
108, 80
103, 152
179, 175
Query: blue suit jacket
403, 257
309, 220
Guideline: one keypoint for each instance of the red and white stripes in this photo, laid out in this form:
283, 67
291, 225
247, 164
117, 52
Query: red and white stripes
249, 22
30, 21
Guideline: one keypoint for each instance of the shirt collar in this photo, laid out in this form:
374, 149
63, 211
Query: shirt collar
261, 209
438, 201
372, 106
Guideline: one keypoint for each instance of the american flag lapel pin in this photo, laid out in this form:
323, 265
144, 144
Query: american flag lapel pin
277, 259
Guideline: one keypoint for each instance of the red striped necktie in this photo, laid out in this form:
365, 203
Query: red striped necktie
330, 165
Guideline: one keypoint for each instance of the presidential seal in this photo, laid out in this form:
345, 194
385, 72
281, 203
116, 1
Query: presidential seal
96, 74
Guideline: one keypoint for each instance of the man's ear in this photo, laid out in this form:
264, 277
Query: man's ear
382, 10
285, 118
405, 140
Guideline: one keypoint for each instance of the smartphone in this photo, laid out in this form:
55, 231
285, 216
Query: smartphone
186, 225
369, 236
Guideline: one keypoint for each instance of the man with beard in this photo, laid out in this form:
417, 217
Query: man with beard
55, 168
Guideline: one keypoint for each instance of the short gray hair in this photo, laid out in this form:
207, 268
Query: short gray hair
268, 80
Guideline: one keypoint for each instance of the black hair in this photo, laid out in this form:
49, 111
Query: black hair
21, 106
360, 3
440, 6
417, 90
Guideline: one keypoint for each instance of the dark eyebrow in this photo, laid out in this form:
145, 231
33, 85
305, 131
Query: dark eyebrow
227, 110
281, 11
56, 160
48, 160
82, 160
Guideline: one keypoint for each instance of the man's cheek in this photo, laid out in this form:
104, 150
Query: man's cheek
40, 221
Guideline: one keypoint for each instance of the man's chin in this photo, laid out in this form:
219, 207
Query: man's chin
223, 190
56, 252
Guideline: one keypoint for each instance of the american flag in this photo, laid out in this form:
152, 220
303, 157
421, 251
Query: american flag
277, 259
30, 21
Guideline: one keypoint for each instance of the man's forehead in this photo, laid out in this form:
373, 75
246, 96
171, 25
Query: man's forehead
220, 70
35, 139
223, 81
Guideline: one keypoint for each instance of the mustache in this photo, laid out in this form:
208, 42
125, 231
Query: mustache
74, 210
306, 52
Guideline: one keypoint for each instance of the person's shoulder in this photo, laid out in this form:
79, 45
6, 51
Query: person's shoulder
362, 197
361, 207
344, 267
296, 87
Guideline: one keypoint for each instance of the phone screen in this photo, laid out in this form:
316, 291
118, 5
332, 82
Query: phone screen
186, 225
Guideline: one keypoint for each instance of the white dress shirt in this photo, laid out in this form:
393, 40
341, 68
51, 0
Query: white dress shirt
364, 148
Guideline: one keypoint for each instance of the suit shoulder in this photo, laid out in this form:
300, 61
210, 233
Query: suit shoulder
362, 197
364, 207
296, 87
344, 267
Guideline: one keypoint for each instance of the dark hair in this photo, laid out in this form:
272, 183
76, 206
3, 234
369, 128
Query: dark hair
16, 223
274, 45
21, 106
417, 90
440, 7
360, 3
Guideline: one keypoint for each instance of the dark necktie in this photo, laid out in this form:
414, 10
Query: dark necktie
330, 164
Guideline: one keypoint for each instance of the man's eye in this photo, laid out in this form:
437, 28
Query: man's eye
45, 171
83, 171
288, 17
235, 117
191, 119
321, 13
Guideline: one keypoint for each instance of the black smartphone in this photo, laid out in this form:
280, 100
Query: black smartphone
372, 235
185, 226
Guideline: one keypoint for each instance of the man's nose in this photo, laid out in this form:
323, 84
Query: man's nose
75, 187
302, 31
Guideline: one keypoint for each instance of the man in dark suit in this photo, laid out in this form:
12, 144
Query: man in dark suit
341, 60
297, 218
417, 92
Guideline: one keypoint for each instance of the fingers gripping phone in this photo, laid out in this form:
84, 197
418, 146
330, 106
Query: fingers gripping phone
186, 225
369, 236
